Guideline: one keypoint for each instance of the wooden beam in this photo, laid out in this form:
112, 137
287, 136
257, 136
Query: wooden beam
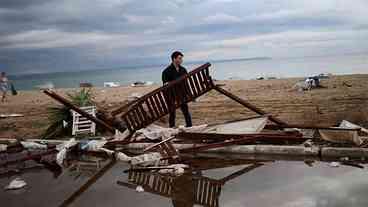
248, 105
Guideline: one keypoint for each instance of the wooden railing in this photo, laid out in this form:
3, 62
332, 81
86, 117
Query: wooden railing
166, 99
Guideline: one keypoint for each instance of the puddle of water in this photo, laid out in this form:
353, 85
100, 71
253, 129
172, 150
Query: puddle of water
279, 183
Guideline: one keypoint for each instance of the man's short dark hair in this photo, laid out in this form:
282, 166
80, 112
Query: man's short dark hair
176, 54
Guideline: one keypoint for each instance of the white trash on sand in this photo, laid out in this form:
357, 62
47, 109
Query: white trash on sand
155, 132
33, 145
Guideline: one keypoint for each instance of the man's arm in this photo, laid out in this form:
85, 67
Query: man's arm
165, 78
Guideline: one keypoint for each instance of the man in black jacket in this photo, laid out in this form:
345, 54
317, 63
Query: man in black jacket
173, 72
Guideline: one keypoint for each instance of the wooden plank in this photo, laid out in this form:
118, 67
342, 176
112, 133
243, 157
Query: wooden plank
158, 104
140, 117
150, 110
197, 85
205, 192
128, 123
201, 80
248, 105
154, 106
192, 86
205, 79
143, 113
163, 103
134, 118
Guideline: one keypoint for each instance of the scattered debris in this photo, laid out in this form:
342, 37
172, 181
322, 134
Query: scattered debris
162, 150
309, 162
347, 84
155, 132
175, 170
139, 189
146, 159
63, 150
247, 126
3, 116
3, 147
349, 125
334, 164
46, 86
134, 97
93, 145
82, 125
301, 86
33, 145
111, 84
341, 136
344, 158
16, 184
141, 83
308, 143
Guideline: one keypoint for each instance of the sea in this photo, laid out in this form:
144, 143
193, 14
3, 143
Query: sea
242, 69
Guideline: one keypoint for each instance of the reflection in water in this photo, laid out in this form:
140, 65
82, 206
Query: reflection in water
210, 182
25, 161
188, 189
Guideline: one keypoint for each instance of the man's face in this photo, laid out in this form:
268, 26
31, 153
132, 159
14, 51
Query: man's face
178, 60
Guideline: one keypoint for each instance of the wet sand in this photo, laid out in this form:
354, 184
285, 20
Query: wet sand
344, 97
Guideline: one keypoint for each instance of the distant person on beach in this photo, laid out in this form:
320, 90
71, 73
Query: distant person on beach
4, 86
173, 72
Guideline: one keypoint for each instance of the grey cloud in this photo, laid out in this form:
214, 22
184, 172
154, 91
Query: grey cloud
122, 31
20, 4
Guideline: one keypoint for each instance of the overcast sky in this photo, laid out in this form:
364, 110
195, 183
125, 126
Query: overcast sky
59, 35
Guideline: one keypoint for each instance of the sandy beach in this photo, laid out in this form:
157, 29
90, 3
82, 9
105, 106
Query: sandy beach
343, 97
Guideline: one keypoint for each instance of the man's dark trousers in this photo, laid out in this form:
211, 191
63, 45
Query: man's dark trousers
187, 116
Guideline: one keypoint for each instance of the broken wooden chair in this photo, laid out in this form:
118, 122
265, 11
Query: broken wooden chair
82, 125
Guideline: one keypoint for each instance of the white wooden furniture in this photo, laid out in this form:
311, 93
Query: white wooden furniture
82, 125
